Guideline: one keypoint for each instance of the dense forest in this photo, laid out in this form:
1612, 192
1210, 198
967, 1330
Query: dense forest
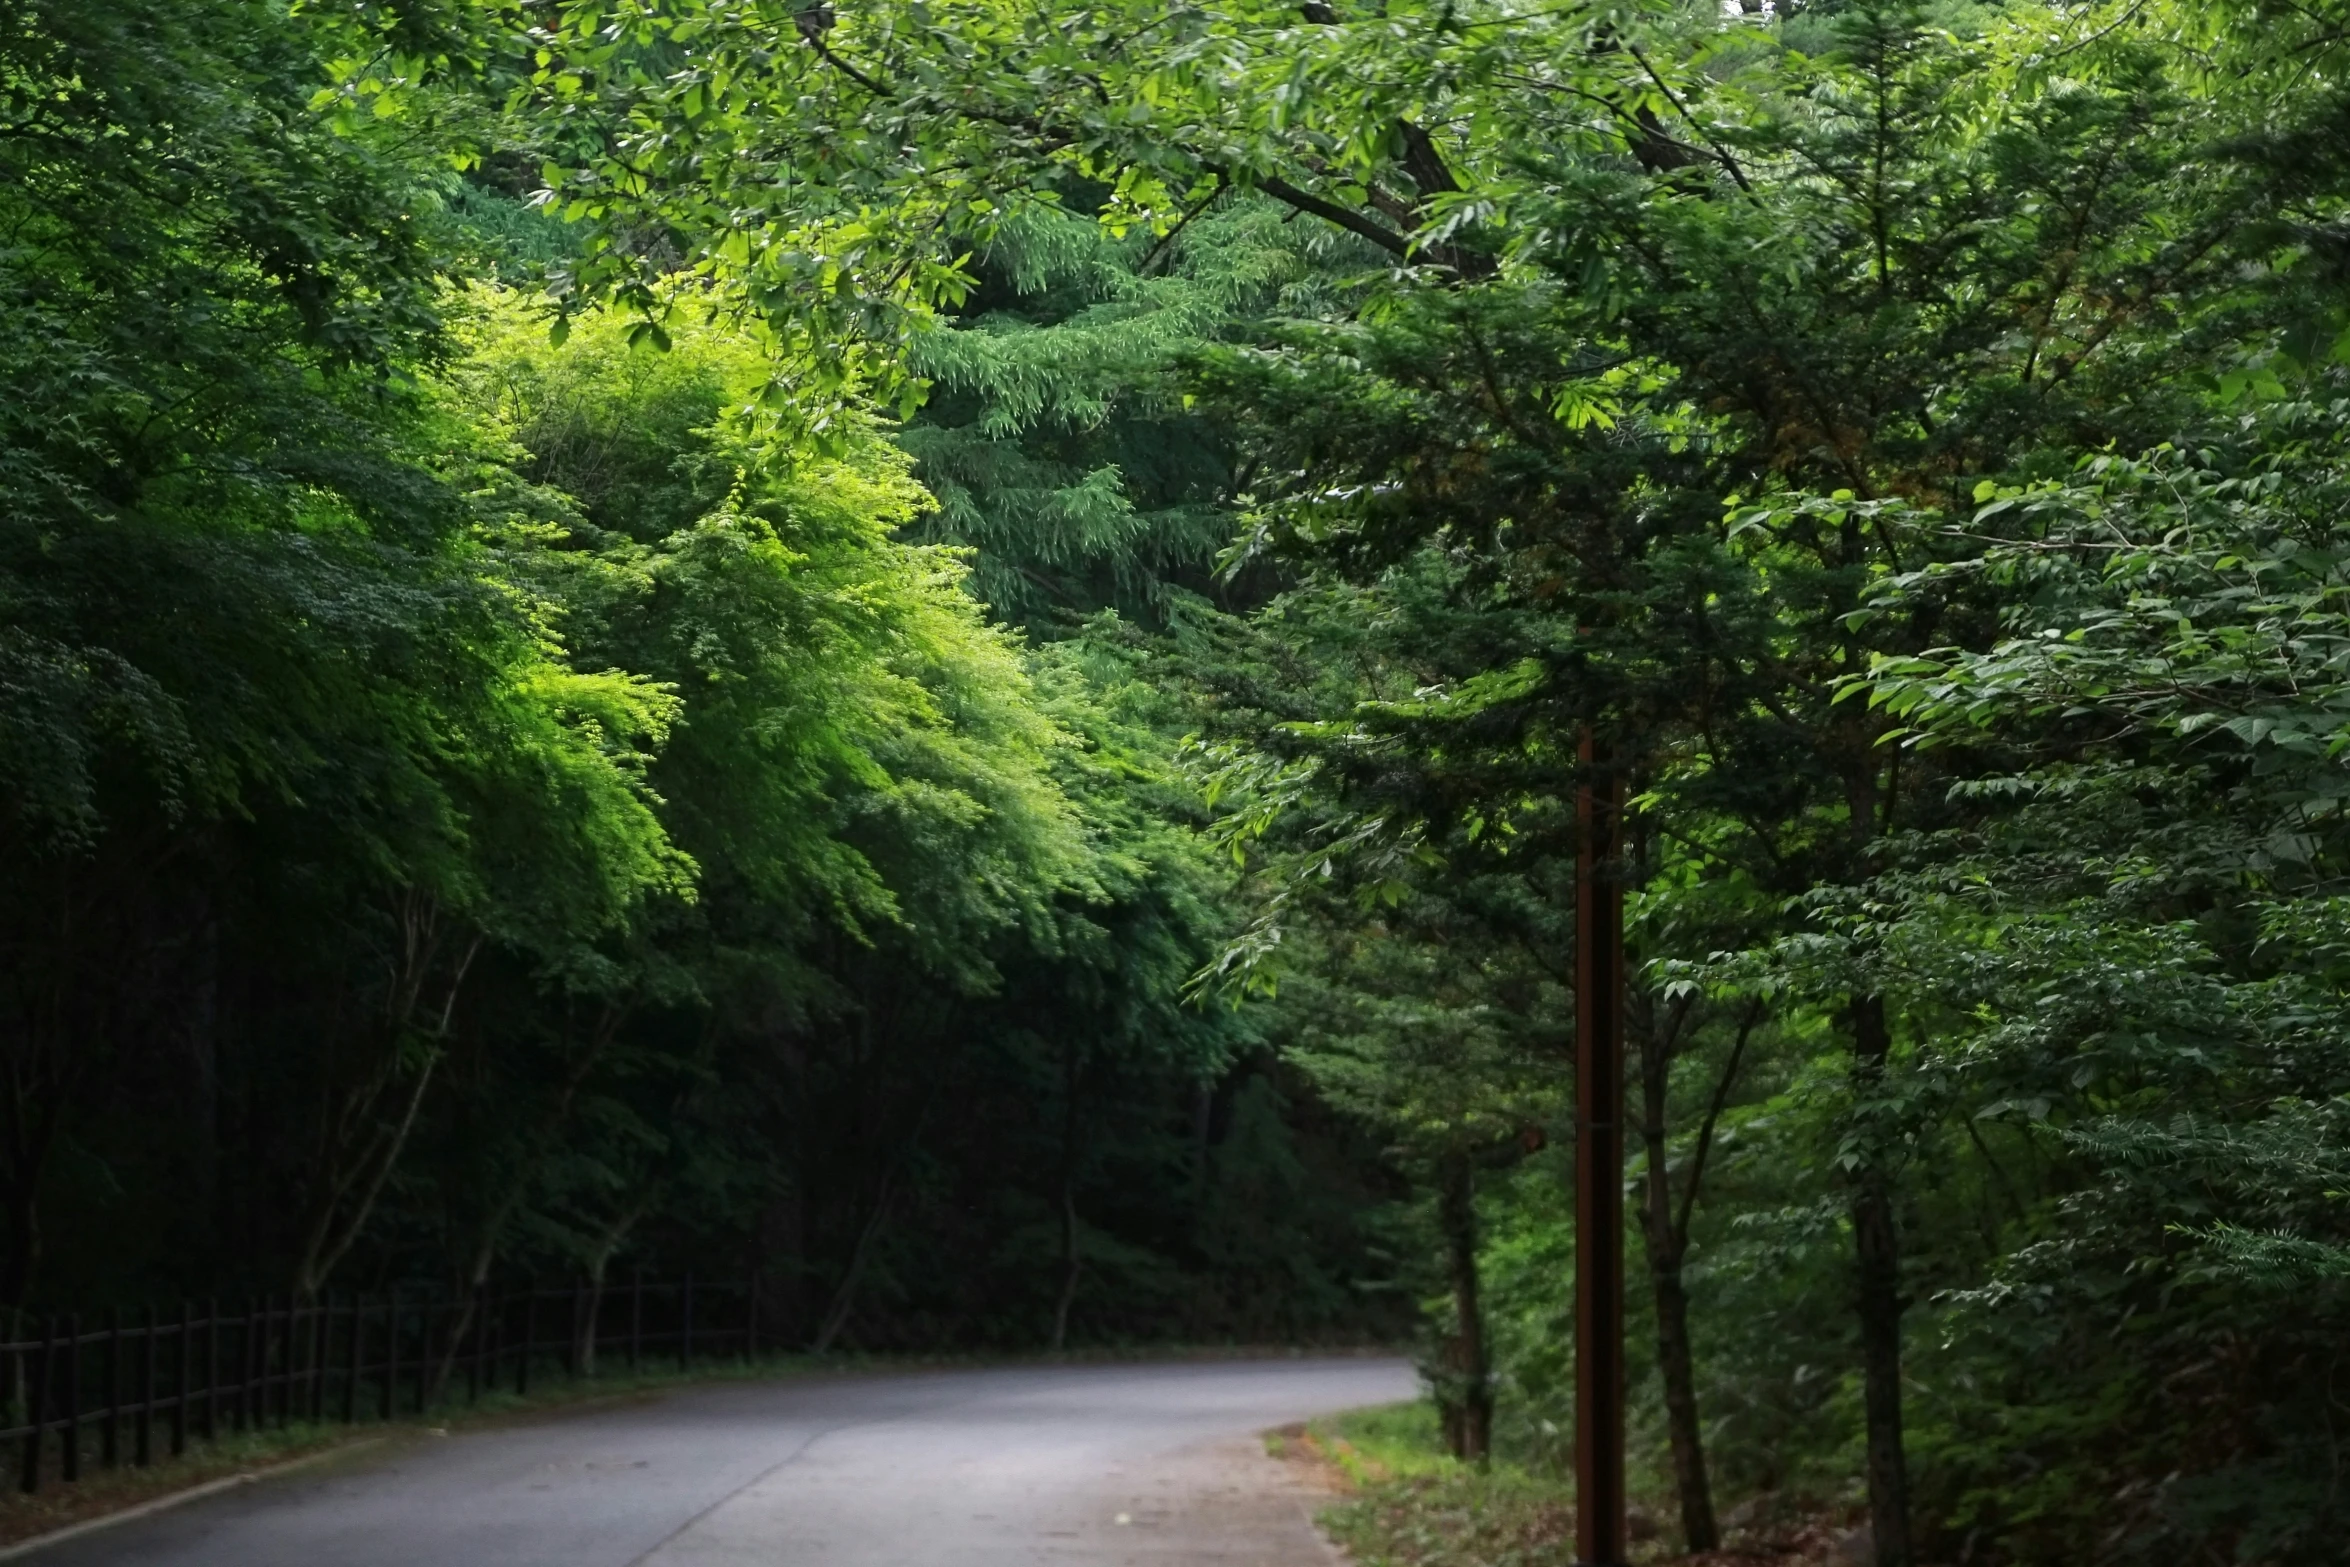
939, 651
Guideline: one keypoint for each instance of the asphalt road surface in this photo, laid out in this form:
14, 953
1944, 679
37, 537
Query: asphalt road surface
1094, 1466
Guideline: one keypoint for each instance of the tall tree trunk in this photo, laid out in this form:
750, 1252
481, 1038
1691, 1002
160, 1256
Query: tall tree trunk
1877, 1244
1665, 1233
599, 1262
356, 1152
844, 1295
333, 1229
475, 1278
1677, 1364
517, 1188
1469, 1420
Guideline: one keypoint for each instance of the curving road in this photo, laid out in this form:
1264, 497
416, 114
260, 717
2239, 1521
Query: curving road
1094, 1466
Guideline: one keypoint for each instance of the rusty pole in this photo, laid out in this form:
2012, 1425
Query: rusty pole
1600, 1538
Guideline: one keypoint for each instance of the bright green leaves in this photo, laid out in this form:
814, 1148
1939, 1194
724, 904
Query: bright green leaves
856, 745
867, 155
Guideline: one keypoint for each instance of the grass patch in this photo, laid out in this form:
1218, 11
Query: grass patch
1411, 1506
1414, 1507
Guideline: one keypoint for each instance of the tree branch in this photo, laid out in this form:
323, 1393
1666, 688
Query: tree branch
1331, 212
1713, 1115
1166, 241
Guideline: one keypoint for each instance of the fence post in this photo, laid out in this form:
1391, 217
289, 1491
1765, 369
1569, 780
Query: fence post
187, 1384
391, 1353
299, 1364
258, 1314
260, 1334
289, 1361
143, 1440
36, 1406
480, 1337
287, 1400
358, 1359
751, 1320
231, 1375
685, 1336
318, 1353
70, 1465
636, 1321
260, 1328
253, 1370
492, 1352
109, 1437
211, 1368
239, 1328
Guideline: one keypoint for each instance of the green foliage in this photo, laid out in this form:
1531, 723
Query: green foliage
483, 799
1056, 436
554, 741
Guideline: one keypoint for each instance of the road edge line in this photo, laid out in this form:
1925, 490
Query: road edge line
159, 1504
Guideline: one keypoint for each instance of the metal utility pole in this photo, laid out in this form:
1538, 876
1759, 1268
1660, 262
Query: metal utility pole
1600, 1537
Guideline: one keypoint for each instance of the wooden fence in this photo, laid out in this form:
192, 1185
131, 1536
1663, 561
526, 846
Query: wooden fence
117, 1390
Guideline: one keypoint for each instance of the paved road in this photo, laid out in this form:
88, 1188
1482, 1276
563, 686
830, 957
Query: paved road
1102, 1466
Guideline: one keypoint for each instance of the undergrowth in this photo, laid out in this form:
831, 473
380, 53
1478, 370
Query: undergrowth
1413, 1507
1409, 1505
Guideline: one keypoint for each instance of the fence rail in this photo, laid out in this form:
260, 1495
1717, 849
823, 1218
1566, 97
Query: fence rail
128, 1385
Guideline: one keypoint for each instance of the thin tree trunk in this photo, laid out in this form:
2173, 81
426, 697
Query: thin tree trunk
1666, 1238
600, 1261
517, 1188
844, 1297
1665, 1230
332, 1231
1877, 1244
327, 1241
1470, 1426
476, 1276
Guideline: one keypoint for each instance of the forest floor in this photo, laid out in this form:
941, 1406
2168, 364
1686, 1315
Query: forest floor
1408, 1505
